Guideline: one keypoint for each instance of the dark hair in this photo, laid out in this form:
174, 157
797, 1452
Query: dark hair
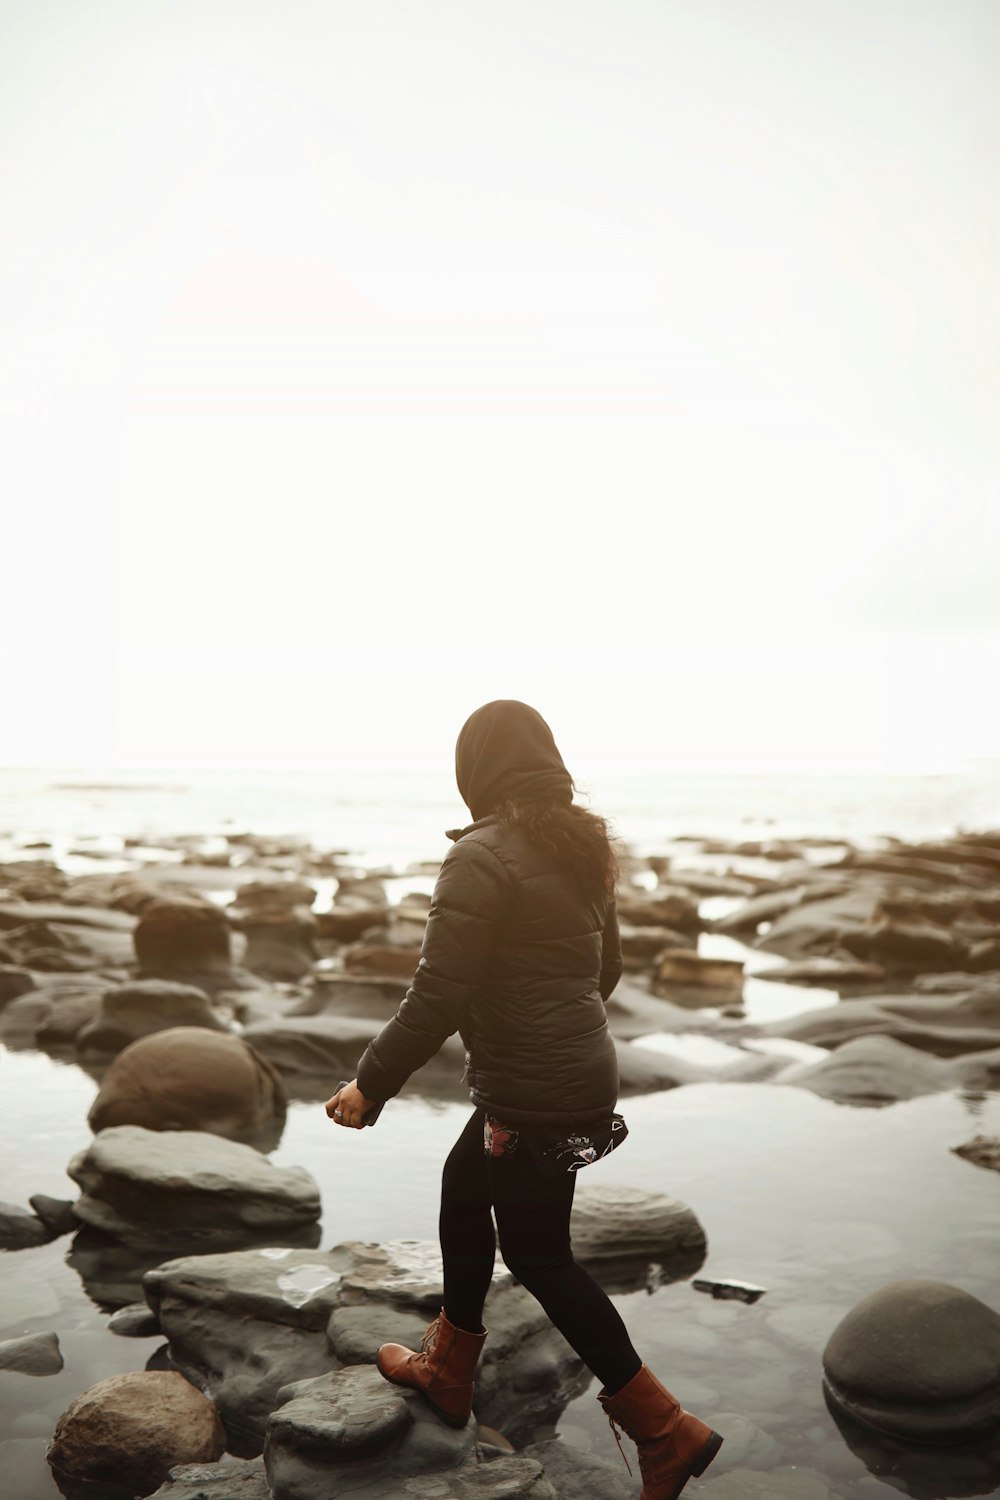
579, 839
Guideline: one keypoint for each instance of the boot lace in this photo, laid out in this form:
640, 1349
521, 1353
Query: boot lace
621, 1450
429, 1338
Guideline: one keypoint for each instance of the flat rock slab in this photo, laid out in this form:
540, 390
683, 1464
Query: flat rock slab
19, 1229
353, 1413
37, 1354
576, 1475
135, 1321
148, 1187
232, 1479
918, 1360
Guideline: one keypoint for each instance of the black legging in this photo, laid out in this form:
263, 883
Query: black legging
532, 1219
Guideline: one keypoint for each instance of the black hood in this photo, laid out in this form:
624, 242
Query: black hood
506, 749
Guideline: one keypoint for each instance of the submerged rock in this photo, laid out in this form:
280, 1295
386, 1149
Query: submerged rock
154, 1188
982, 1151
578, 1475
189, 1078
776, 1484
130, 1430
919, 1360
871, 1070
622, 1229
37, 1354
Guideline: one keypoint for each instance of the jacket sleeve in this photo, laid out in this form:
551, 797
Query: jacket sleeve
471, 898
611, 953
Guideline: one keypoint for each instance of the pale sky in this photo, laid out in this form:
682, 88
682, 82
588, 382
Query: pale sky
364, 362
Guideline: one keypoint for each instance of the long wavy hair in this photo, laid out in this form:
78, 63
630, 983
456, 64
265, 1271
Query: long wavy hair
580, 840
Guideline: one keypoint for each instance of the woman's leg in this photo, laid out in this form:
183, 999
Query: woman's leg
533, 1222
465, 1226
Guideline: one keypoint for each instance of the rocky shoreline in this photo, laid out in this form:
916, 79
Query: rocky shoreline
206, 990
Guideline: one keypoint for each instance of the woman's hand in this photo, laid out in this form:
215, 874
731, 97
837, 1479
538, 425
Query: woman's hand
349, 1106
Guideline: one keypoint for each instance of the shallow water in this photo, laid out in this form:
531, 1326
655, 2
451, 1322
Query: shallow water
817, 1202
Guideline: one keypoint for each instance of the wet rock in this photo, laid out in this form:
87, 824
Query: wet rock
38, 1354
130, 1430
313, 1044
359, 995
615, 1223
230, 1479
827, 972
777, 1484
145, 1006
871, 1070
768, 906
177, 937
55, 1213
946, 1024
134, 1321
641, 945
819, 927
905, 946
746, 1445
979, 1072
918, 1360
149, 1187
351, 1433
641, 1070
346, 924
982, 1151
633, 1012
19, 1229
276, 895
673, 909
190, 1078
14, 981
683, 969
50, 1016
280, 943
577, 1475
384, 960
730, 1291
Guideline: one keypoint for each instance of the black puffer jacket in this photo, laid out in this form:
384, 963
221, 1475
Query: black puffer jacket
520, 962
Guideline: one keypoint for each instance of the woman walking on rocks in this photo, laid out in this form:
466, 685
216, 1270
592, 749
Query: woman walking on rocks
520, 954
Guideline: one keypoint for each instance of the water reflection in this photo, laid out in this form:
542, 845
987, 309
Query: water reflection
919, 1470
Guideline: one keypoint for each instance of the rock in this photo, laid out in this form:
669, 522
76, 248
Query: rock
345, 925
38, 1354
641, 1070
673, 909
871, 1070
14, 981
276, 895
243, 1325
230, 1479
615, 1226
905, 946
143, 1007
919, 1360
280, 942
982, 1151
176, 937
134, 1321
190, 1078
313, 1044
829, 972
979, 1072
385, 960
148, 1187
777, 1484
730, 1291
130, 1430
685, 969
641, 945
51, 1015
55, 1213
746, 1445
360, 995
945, 1024
576, 1475
352, 1433
820, 927
19, 1229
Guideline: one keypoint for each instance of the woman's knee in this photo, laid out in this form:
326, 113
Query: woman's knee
532, 1266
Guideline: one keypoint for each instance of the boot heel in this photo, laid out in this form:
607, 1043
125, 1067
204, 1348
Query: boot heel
707, 1453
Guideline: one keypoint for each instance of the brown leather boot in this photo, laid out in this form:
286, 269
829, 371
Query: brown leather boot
673, 1445
443, 1369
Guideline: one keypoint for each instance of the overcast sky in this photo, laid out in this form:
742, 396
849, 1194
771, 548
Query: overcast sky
364, 362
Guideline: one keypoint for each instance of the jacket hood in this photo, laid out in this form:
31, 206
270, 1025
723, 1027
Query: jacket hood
506, 749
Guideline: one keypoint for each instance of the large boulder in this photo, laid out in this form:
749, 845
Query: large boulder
618, 1230
918, 1360
130, 1430
143, 1007
190, 1078
153, 1188
280, 942
174, 937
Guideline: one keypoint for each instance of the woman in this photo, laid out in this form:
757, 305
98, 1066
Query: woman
520, 954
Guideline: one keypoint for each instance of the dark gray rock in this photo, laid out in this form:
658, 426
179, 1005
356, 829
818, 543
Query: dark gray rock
19, 1229
364, 996
313, 1044
230, 1479
918, 1360
14, 981
944, 1024
776, 1484
174, 937
55, 1213
37, 1354
135, 1321
641, 1070
871, 1070
616, 1223
576, 1475
144, 1006
982, 1151
149, 1187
